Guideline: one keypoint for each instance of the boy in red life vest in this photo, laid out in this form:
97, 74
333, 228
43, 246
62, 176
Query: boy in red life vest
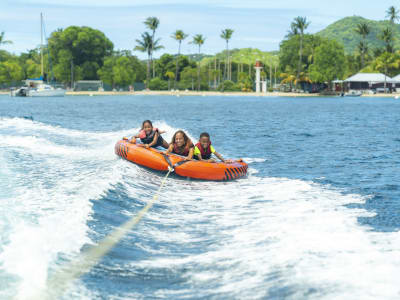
203, 150
150, 136
181, 145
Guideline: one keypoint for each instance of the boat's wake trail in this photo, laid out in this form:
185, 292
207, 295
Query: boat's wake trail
251, 238
49, 175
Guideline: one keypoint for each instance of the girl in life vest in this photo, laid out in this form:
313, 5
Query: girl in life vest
150, 136
203, 150
181, 145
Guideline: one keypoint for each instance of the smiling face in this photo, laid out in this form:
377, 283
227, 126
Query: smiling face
179, 139
147, 128
204, 141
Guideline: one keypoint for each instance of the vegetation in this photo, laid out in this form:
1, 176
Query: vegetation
226, 35
344, 48
198, 40
178, 35
298, 26
344, 32
363, 30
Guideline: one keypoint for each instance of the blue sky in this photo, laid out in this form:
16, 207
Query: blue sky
257, 23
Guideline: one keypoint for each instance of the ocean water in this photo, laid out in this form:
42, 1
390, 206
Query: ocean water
317, 217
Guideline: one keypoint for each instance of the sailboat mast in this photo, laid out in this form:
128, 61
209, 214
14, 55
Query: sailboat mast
41, 44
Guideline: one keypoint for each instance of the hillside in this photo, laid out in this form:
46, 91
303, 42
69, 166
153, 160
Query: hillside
344, 32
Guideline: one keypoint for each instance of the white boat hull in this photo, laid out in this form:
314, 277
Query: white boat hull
46, 93
44, 90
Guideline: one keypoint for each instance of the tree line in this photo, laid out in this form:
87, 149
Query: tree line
84, 53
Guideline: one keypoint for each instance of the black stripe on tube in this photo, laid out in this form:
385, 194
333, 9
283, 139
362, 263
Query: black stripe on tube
240, 171
126, 151
226, 176
236, 172
230, 174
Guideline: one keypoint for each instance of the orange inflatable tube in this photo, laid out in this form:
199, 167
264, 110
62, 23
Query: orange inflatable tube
157, 160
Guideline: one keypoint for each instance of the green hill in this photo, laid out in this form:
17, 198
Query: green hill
344, 32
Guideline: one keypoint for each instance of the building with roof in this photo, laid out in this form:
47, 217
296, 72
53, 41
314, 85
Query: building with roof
396, 80
370, 81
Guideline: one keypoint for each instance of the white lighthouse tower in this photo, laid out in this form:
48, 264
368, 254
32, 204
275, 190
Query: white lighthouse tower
258, 68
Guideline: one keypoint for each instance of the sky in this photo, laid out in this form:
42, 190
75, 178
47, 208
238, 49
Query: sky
258, 24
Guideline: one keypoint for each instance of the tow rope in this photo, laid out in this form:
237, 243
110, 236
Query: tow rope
58, 283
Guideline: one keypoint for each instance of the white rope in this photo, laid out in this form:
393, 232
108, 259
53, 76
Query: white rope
58, 283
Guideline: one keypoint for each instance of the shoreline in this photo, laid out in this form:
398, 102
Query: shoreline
210, 93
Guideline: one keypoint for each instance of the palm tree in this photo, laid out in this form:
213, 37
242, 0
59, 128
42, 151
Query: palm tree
363, 29
147, 45
384, 62
387, 37
178, 35
152, 23
2, 41
170, 76
392, 14
226, 35
362, 48
293, 31
199, 40
301, 24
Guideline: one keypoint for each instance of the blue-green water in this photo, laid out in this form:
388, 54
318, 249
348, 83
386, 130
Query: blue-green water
317, 217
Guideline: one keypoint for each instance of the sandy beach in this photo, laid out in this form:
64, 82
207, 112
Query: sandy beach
206, 93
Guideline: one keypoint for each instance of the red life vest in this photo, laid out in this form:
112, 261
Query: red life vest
183, 151
147, 139
205, 153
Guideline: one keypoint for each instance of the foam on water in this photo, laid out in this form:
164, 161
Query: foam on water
254, 238
53, 185
269, 233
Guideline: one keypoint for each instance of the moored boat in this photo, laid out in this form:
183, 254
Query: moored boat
353, 94
37, 88
158, 160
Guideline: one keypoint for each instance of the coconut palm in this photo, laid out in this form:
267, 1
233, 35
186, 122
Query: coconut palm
226, 35
301, 24
147, 45
363, 49
293, 31
392, 14
198, 40
363, 30
178, 35
2, 41
384, 62
170, 76
152, 23
387, 37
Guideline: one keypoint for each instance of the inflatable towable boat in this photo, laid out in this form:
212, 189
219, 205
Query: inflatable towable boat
158, 160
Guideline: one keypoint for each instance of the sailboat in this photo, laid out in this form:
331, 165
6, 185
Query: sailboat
38, 87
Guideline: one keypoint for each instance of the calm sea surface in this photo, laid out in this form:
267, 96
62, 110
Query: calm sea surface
317, 217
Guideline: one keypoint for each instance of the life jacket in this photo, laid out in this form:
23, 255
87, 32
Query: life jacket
147, 139
184, 151
205, 153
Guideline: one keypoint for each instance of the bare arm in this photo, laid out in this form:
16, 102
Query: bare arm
219, 156
228, 161
169, 150
156, 135
190, 155
133, 139
199, 156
